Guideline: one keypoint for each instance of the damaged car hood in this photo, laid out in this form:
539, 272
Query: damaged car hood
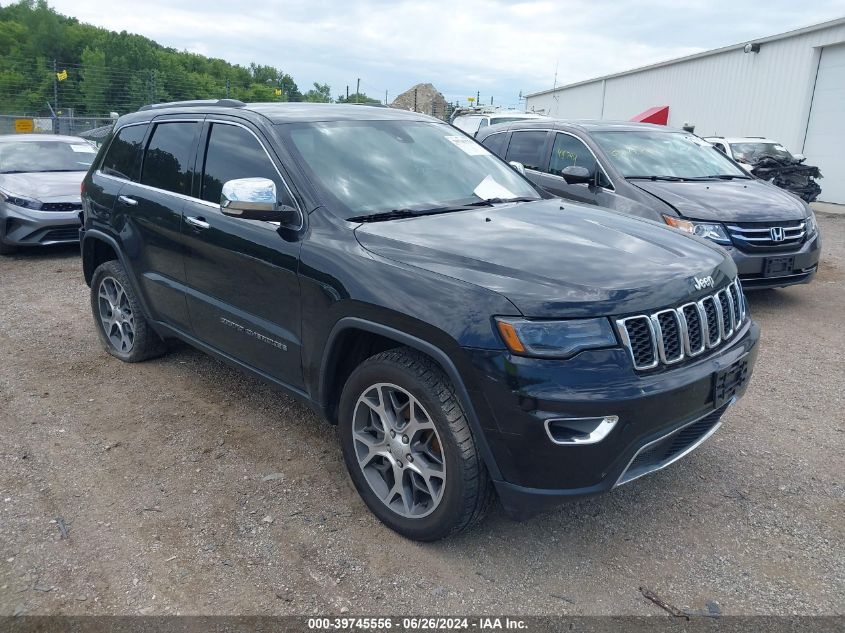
726, 200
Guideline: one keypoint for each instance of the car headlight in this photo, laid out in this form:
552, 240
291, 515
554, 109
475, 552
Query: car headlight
711, 230
26, 203
555, 339
810, 225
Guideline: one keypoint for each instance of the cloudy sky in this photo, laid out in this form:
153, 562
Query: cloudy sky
497, 47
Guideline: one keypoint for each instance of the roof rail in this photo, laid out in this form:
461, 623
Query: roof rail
217, 103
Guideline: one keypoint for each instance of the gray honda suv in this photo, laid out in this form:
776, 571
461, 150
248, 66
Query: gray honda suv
673, 177
40, 176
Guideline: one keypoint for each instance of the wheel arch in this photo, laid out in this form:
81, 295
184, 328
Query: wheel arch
371, 338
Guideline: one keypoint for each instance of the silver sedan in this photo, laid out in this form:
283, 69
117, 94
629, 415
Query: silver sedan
40, 175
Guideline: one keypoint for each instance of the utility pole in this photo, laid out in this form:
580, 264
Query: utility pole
415, 99
491, 99
227, 88
478, 97
385, 97
357, 90
55, 98
347, 93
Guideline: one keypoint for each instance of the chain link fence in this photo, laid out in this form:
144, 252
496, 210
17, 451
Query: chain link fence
89, 127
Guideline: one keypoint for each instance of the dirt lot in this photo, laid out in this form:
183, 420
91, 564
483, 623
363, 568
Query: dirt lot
181, 486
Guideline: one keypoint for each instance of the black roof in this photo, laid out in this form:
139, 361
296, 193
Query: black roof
280, 112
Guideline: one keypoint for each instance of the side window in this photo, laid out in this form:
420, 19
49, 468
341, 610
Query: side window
569, 151
496, 143
169, 152
721, 148
232, 152
123, 158
527, 148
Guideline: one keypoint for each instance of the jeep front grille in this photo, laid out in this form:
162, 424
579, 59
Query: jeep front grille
669, 336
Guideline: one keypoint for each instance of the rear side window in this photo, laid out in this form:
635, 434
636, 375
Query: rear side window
496, 143
166, 161
233, 152
527, 148
123, 158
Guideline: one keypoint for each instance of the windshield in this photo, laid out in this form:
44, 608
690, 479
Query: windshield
378, 166
752, 152
671, 155
46, 155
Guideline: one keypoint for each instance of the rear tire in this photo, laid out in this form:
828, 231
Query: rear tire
427, 481
120, 322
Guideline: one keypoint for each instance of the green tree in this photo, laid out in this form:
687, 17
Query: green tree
357, 98
321, 93
95, 82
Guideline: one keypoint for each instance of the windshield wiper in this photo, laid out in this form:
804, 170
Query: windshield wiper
398, 214
669, 178
729, 177
489, 202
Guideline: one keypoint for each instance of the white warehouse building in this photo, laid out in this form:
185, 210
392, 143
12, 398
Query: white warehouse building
788, 87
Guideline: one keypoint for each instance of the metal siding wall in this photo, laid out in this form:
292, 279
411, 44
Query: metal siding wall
729, 94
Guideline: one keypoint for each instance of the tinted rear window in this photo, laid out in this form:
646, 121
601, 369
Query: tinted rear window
123, 158
496, 143
527, 148
168, 153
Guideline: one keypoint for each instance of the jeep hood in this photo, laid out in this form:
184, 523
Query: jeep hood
57, 186
555, 260
726, 200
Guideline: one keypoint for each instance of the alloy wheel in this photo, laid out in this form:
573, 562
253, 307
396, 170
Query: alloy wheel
399, 450
116, 314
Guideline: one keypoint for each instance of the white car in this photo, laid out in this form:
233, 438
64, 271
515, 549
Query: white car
472, 122
746, 150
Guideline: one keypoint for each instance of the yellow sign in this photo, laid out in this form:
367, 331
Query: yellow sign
24, 126
62, 75
470, 99
278, 92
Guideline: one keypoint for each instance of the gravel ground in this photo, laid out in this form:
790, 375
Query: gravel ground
181, 486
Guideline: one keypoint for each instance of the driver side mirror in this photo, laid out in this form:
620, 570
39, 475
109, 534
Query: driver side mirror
799, 157
574, 175
255, 199
519, 167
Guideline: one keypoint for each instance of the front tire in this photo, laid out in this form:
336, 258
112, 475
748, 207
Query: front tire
120, 322
409, 449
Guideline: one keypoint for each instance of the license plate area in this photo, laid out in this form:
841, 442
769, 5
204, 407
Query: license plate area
728, 382
778, 266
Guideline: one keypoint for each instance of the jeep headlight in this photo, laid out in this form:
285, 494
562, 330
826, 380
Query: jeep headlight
555, 339
711, 230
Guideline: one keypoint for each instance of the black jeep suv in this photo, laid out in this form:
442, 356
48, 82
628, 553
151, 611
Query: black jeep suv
469, 338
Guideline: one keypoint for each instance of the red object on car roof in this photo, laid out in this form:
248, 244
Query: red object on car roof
657, 114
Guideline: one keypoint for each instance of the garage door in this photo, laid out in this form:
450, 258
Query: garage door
826, 129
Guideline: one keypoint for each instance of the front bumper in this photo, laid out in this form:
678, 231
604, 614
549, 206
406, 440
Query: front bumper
750, 266
29, 227
662, 415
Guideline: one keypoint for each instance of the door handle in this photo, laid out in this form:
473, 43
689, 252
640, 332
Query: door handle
199, 223
132, 202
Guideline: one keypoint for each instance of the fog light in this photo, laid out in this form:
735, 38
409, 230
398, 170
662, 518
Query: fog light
580, 430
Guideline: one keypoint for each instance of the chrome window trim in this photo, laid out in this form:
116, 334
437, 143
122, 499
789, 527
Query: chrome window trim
183, 196
623, 333
115, 132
